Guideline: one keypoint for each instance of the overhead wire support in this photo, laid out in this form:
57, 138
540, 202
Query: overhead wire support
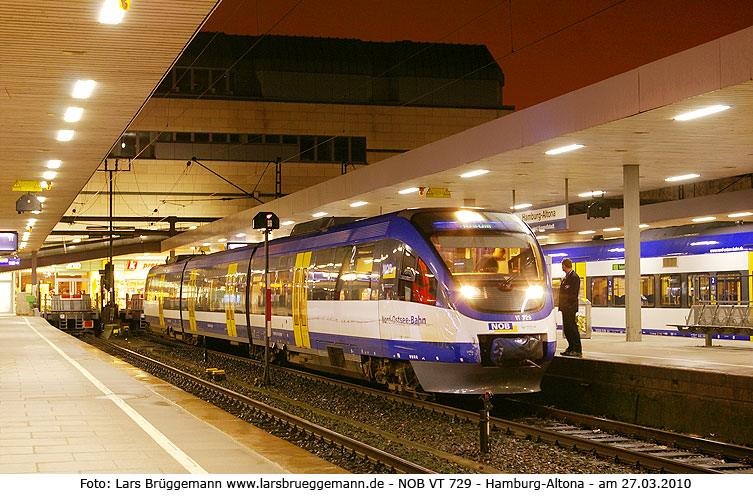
193, 159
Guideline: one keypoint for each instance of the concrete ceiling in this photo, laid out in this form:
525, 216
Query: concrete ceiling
47, 45
627, 119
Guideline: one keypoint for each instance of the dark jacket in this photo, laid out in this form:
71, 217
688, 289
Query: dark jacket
569, 289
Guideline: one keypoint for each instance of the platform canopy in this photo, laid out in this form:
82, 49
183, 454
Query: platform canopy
47, 46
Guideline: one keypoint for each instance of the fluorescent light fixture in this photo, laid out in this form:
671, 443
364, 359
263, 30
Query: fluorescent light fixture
542, 237
222, 240
192, 227
53, 164
49, 175
703, 219
32, 222
287, 223
408, 190
474, 173
206, 244
592, 194
702, 112
65, 135
586, 232
240, 235
42, 199
73, 114
740, 214
644, 225
111, 12
76, 240
682, 178
36, 212
147, 254
319, 214
559, 254
611, 229
564, 149
521, 206
83, 89
358, 204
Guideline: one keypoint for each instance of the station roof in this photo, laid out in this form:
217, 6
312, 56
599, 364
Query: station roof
626, 119
47, 45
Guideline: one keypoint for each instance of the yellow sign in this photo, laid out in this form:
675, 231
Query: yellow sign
435, 192
125, 4
27, 186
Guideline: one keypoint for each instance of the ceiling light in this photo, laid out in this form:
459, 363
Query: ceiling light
564, 149
206, 244
682, 178
740, 214
542, 237
702, 112
65, 135
53, 164
643, 226
147, 254
592, 194
36, 212
111, 12
358, 204
703, 219
408, 190
76, 240
586, 232
240, 235
42, 199
83, 89
287, 223
611, 229
521, 206
73, 114
474, 173
319, 214
49, 175
32, 222
222, 240
193, 227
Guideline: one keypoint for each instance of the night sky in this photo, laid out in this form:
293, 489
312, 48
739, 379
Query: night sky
559, 45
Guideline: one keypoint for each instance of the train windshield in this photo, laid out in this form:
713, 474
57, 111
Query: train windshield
492, 256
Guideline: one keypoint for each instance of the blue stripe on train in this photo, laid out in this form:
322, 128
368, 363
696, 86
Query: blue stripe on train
351, 345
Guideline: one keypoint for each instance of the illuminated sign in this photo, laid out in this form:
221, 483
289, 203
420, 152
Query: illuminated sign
73, 266
132, 265
8, 241
10, 261
548, 218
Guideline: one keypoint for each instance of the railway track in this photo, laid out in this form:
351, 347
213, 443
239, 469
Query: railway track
243, 405
650, 449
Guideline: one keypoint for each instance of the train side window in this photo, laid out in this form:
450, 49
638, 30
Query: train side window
417, 282
618, 291
556, 282
599, 286
389, 261
728, 287
647, 291
671, 290
699, 288
355, 280
321, 282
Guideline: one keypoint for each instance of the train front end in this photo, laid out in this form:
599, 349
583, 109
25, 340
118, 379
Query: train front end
500, 290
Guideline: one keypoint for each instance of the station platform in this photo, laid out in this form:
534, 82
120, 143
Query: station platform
66, 407
668, 382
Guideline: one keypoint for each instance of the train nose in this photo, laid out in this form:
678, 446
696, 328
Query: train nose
514, 350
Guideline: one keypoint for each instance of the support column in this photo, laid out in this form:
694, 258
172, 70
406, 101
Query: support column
35, 279
632, 220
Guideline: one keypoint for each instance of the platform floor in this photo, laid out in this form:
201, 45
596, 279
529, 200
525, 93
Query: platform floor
66, 407
729, 357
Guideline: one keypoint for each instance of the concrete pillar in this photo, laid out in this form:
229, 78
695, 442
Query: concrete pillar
35, 279
632, 212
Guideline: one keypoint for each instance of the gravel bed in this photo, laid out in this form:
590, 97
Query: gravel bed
401, 429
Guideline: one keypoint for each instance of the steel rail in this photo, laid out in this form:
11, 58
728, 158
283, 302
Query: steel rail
361, 449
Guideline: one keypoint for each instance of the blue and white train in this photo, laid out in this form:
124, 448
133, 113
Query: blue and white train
680, 267
433, 300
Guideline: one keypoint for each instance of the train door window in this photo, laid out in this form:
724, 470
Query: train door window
256, 301
728, 287
283, 283
356, 282
390, 252
599, 286
203, 290
322, 275
647, 291
671, 290
618, 291
699, 288
417, 282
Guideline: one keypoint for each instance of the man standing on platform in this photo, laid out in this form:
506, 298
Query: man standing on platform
569, 289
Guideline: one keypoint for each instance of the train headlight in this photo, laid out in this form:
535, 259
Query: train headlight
469, 291
535, 292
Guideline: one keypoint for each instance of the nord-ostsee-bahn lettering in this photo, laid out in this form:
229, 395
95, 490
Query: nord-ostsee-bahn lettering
435, 300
